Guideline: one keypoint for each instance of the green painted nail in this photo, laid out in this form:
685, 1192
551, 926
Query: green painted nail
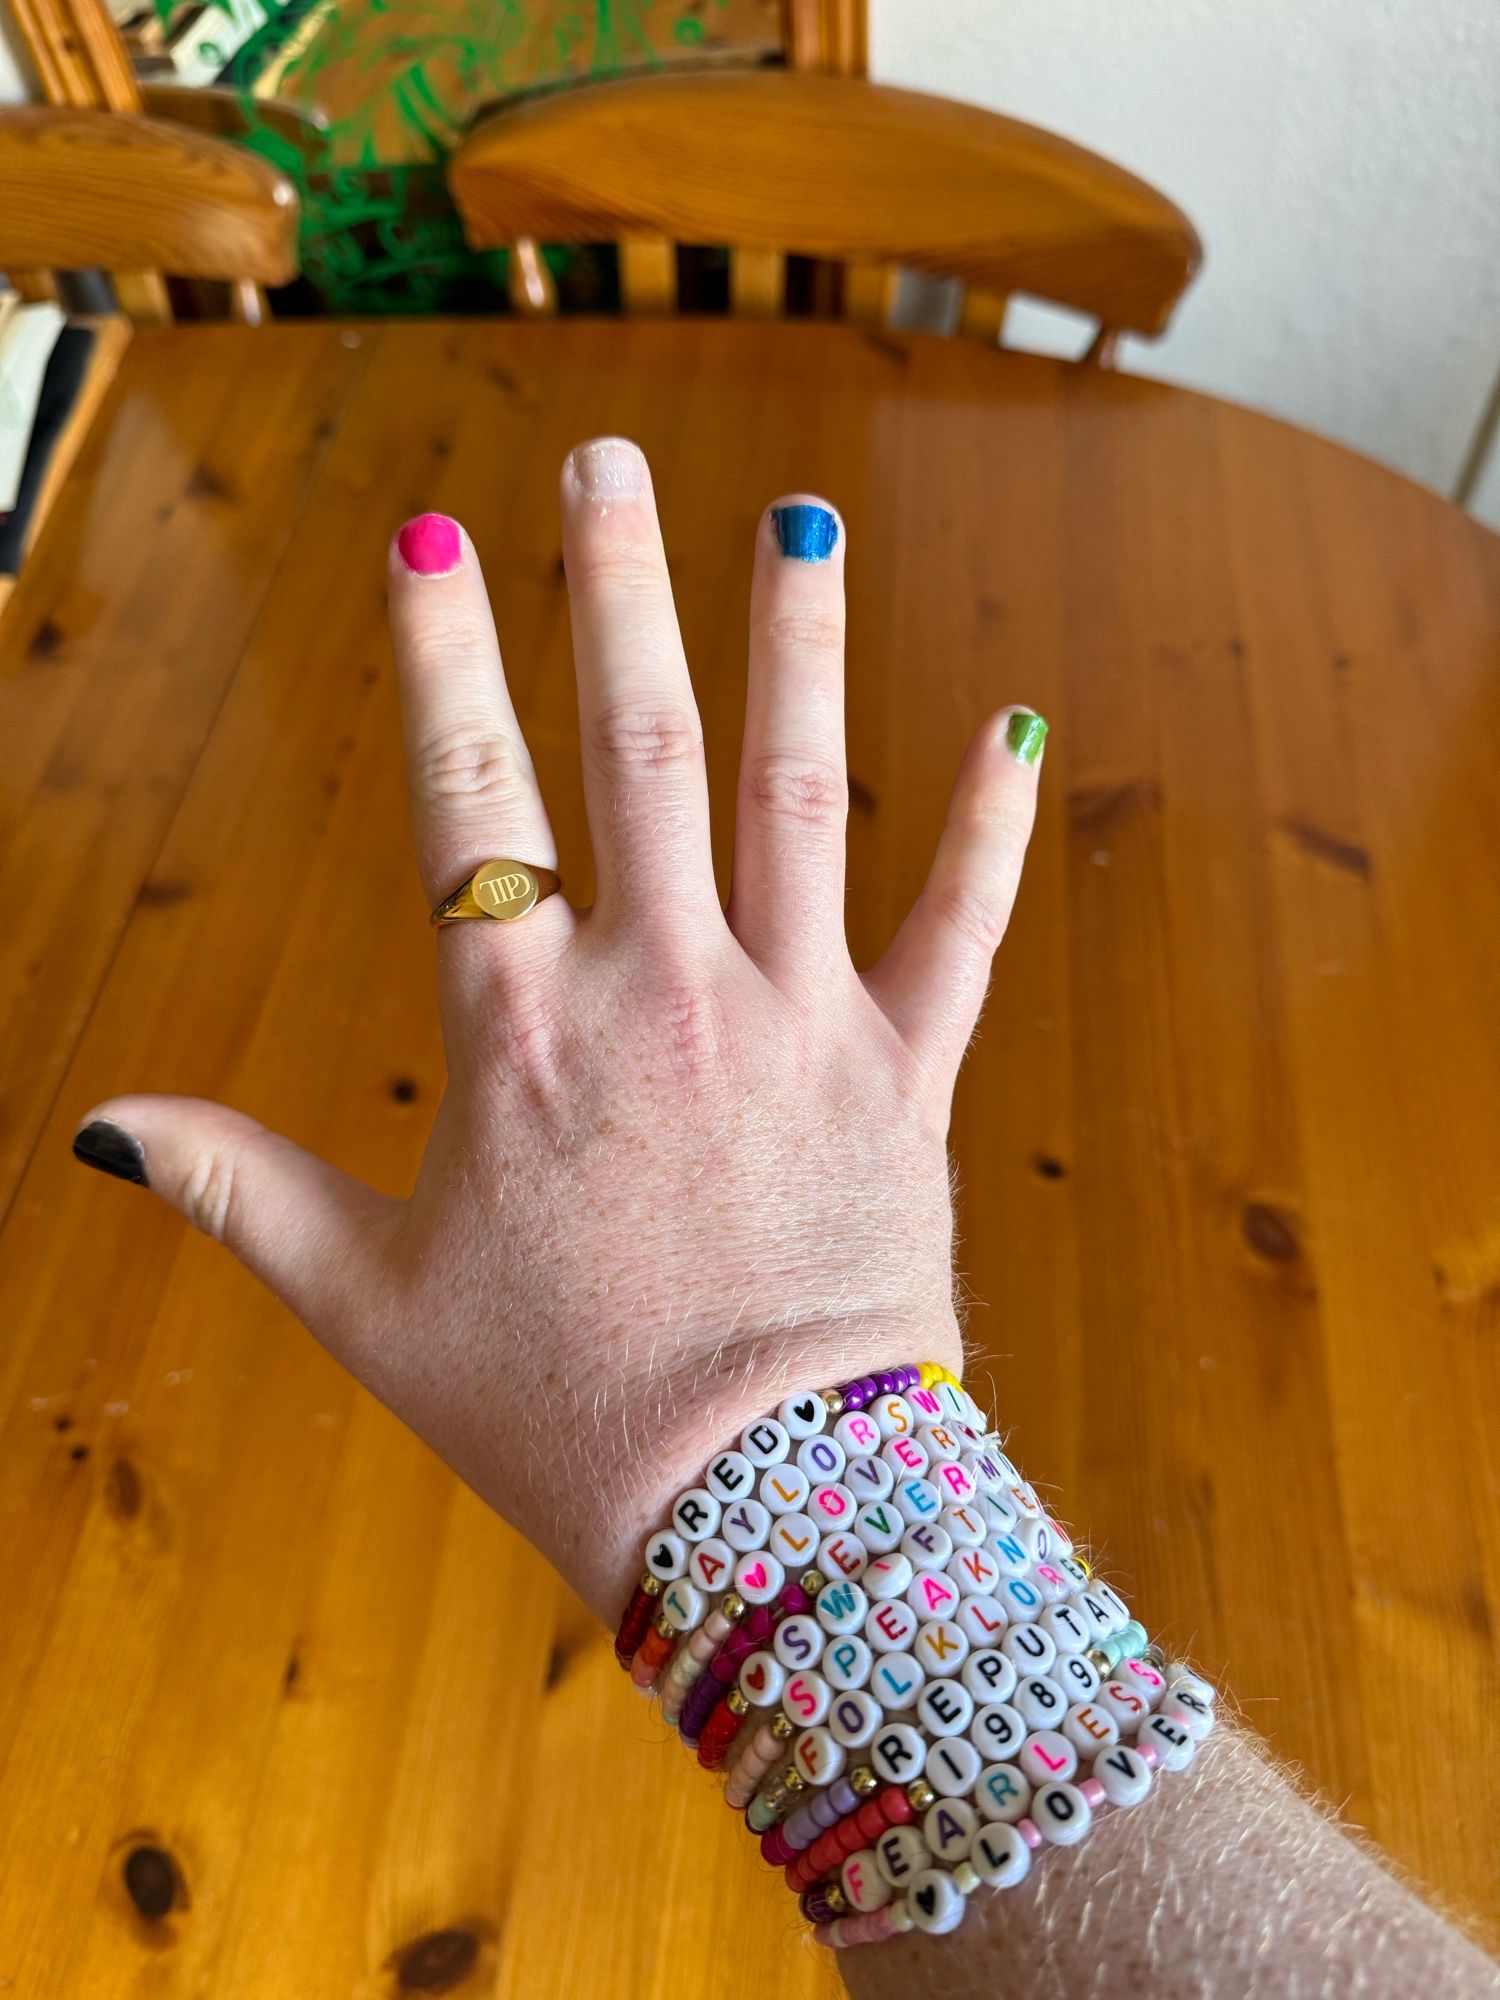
1025, 733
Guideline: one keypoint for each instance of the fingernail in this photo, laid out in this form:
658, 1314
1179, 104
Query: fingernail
609, 468
112, 1150
1025, 734
431, 545
806, 534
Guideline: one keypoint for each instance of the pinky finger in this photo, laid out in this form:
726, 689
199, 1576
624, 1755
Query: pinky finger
931, 982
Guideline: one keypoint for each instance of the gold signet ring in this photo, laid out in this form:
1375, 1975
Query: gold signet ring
498, 890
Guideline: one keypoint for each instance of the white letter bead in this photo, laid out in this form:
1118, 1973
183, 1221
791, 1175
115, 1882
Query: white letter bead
711, 1565
953, 1766
1124, 1774
1179, 1675
862, 1882
869, 1480
807, 1698
900, 1853
666, 1556
1075, 1571
1041, 1703
803, 1416
1146, 1681
842, 1607
819, 1756
798, 1642
682, 1605
1047, 1755
1174, 1747
832, 1506
1060, 1814
936, 1902
931, 1595
1090, 1729
1195, 1714
746, 1525
1020, 1596
858, 1433
948, 1827
966, 1526
989, 1676
887, 1576
941, 1646
765, 1443
1076, 1676
840, 1554
731, 1476
916, 1500
999, 1856
1012, 1558
793, 1540
1001, 1514
891, 1627
696, 1515
879, 1526
1003, 1793
927, 1545
938, 1441
896, 1754
762, 1678
981, 1620
1066, 1628
1030, 1647
758, 1577
905, 1457
997, 1731
822, 1459
894, 1415
1126, 1705
896, 1679
955, 1482
854, 1717
846, 1663
783, 1488
945, 1707
975, 1571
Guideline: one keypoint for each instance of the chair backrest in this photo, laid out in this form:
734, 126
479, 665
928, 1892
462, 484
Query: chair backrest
106, 190
772, 162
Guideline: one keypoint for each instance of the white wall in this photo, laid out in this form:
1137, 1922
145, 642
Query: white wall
15, 71
1340, 159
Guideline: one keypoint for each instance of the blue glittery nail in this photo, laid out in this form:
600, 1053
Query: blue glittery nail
807, 534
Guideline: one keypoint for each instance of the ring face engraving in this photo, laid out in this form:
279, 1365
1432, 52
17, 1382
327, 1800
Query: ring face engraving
504, 890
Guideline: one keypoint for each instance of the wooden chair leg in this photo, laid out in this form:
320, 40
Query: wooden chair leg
143, 297
648, 274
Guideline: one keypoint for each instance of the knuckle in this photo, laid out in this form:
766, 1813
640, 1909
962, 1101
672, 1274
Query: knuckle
630, 740
806, 628
688, 1029
209, 1192
801, 790
465, 761
978, 919
616, 568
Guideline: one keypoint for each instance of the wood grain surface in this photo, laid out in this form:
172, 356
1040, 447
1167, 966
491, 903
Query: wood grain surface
283, 1711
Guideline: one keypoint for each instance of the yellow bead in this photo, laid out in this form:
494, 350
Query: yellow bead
926, 1374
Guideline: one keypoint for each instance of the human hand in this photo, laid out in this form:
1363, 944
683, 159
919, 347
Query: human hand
688, 1160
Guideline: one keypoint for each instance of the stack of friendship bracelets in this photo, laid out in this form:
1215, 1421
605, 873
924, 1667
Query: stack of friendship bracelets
865, 1616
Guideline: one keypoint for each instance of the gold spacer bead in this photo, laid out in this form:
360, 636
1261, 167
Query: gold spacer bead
732, 1606
921, 1794
812, 1581
864, 1781
833, 1402
652, 1585
663, 1627
837, 1901
782, 1726
736, 1703
794, 1783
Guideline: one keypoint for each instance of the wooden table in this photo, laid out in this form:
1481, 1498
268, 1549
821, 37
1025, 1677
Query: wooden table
1230, 1138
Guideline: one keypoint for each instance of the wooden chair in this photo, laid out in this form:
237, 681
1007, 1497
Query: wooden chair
776, 162
135, 197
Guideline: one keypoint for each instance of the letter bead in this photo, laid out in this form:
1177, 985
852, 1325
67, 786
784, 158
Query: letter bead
666, 1557
1090, 1729
1077, 1677
822, 1459
998, 1731
798, 1641
1061, 1814
916, 1500
793, 1540
765, 1443
953, 1766
1182, 1705
758, 1577
896, 1679
1013, 1560
682, 1605
804, 1415
1030, 1648
1003, 1793
945, 1707
842, 1607
841, 1554
858, 1433
1126, 1706
887, 1576
1040, 1702
854, 1717
1173, 1745
784, 1488
894, 1416
711, 1565
696, 1514
905, 1457
731, 1476
936, 1902
975, 1572
955, 1481
869, 1479
939, 1442
819, 1756
1124, 1774
927, 1545
900, 1853
862, 1882
948, 1827
981, 1620
941, 1646
896, 1755
832, 1506
746, 1525
846, 1663
932, 1596
966, 1526
761, 1680
989, 1676
880, 1527
1067, 1628
999, 1856
1047, 1755
807, 1698
1181, 1676
891, 1627
1020, 1596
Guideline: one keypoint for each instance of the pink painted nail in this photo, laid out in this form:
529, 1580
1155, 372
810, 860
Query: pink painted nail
431, 545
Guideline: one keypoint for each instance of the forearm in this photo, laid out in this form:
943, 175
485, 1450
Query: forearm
1225, 1881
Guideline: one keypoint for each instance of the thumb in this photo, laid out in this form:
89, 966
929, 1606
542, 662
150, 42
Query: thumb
299, 1224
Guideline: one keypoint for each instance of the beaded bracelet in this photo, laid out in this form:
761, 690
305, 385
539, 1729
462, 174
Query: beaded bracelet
867, 1576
